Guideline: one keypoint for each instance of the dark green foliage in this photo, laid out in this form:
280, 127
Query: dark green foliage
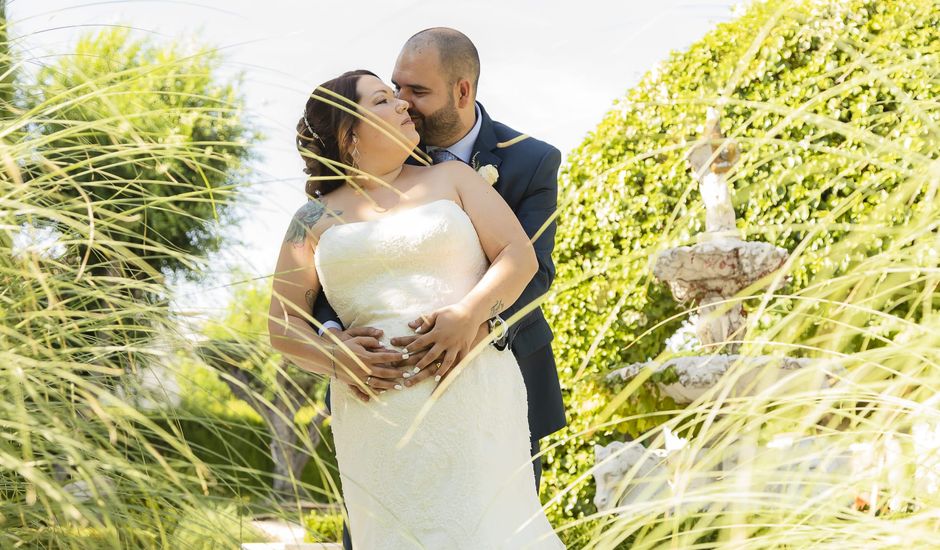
131, 153
235, 448
834, 105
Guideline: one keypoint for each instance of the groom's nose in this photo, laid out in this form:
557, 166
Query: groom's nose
402, 94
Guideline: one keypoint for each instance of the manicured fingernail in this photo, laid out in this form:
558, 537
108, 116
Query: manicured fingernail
406, 375
405, 356
399, 387
419, 330
437, 378
416, 370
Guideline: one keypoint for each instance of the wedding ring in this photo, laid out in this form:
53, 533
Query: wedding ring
369, 380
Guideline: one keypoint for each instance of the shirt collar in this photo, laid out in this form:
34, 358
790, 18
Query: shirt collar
463, 149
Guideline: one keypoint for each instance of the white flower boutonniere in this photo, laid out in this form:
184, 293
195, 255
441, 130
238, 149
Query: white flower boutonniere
488, 173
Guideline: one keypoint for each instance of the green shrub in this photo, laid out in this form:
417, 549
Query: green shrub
233, 442
322, 527
82, 538
833, 103
107, 153
215, 526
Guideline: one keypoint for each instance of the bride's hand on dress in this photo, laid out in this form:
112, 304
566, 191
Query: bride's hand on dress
414, 358
447, 334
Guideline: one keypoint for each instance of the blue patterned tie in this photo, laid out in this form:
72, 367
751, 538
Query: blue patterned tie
440, 155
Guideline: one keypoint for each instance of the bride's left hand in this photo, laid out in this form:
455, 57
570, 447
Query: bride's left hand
483, 332
447, 334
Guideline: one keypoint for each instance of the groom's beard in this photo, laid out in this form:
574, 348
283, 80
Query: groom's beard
438, 129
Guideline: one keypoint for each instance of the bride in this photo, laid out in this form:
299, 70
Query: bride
444, 464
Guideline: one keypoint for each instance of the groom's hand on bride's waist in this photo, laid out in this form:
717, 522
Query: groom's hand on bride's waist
364, 363
353, 332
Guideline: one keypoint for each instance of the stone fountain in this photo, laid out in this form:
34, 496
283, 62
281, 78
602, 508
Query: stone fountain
629, 475
710, 274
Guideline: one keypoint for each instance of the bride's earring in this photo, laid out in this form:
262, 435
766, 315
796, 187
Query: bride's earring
355, 151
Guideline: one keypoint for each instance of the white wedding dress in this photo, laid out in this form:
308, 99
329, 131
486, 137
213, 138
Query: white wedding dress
462, 479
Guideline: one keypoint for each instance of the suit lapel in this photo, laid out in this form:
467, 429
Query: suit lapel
485, 146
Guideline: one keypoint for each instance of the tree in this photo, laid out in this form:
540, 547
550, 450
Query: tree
151, 136
137, 149
119, 163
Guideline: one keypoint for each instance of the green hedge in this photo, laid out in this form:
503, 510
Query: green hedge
833, 103
235, 447
229, 435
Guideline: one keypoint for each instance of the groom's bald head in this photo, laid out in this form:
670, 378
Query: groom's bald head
457, 55
437, 73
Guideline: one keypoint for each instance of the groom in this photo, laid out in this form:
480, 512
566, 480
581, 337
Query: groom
437, 72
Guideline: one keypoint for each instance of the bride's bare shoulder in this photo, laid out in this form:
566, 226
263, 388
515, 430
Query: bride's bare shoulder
454, 167
439, 179
452, 171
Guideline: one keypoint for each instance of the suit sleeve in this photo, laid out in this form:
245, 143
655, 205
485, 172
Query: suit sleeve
537, 206
323, 311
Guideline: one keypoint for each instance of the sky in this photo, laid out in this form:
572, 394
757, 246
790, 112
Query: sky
549, 69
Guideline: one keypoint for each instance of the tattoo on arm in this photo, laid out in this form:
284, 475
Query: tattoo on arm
311, 297
497, 307
302, 222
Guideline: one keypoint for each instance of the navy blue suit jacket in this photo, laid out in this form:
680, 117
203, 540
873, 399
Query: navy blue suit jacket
528, 182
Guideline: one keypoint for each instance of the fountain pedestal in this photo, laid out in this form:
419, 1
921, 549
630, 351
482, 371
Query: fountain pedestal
710, 274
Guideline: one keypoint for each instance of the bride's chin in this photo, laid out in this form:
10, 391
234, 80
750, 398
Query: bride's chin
409, 135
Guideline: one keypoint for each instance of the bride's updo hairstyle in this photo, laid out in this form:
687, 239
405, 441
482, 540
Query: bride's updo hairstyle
326, 131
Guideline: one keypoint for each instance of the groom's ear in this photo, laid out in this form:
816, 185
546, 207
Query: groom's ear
464, 93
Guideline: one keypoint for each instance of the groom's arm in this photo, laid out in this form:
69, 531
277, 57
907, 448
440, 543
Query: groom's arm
537, 209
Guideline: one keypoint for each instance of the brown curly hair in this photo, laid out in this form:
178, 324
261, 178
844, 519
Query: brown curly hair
326, 131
